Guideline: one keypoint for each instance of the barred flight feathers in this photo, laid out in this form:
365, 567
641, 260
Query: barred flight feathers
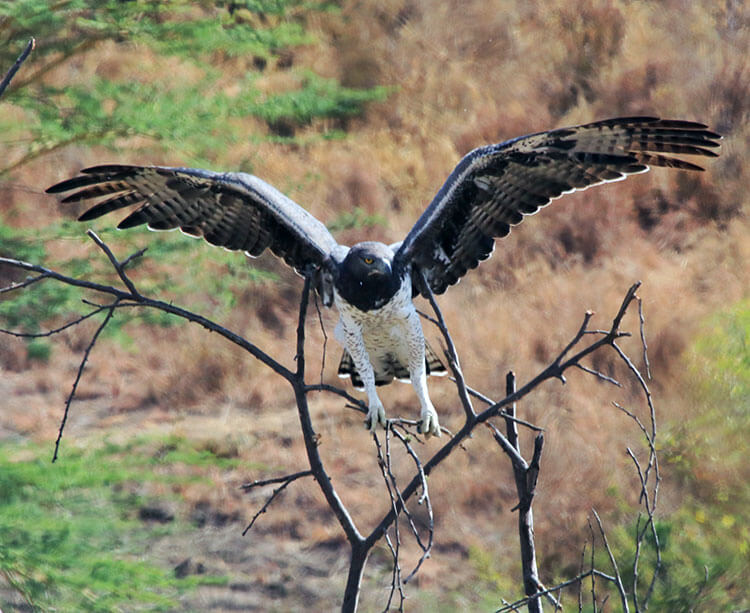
492, 188
237, 211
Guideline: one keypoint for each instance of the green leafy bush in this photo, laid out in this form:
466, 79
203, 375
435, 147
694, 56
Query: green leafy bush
71, 540
194, 118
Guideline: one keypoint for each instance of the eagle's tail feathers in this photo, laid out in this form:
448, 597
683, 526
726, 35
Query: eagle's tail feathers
389, 369
434, 364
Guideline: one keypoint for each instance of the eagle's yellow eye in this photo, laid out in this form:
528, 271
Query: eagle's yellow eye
369, 260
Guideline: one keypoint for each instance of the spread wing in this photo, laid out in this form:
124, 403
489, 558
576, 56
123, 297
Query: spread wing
494, 187
233, 210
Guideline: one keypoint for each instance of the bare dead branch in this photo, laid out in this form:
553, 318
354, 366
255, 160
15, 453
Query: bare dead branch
261, 482
593, 576
558, 366
16, 65
285, 481
515, 457
325, 337
119, 268
642, 329
451, 354
390, 528
81, 366
308, 433
577, 580
599, 375
126, 298
353, 402
384, 463
617, 577
511, 426
580, 583
505, 414
554, 370
53, 331
423, 499
21, 284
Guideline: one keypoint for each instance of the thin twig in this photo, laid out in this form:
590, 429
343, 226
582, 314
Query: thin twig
593, 577
261, 482
451, 353
21, 284
17, 64
57, 330
119, 268
580, 583
167, 307
354, 402
423, 499
618, 579
504, 414
285, 481
599, 375
71, 395
513, 606
642, 328
384, 463
325, 336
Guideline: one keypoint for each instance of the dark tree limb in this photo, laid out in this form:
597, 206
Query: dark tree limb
398, 429
450, 353
285, 481
127, 299
16, 65
81, 366
525, 476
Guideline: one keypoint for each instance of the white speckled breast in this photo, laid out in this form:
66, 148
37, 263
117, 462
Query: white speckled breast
384, 330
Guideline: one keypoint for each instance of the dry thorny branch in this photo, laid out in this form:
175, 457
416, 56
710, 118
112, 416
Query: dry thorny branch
391, 528
398, 522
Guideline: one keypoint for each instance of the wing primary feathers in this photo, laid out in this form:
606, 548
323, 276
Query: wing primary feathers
233, 210
492, 188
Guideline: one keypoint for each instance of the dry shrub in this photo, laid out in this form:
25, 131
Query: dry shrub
586, 37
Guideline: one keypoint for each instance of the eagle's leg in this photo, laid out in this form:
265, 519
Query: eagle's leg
353, 342
429, 424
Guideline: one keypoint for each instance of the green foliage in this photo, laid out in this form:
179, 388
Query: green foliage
211, 36
493, 584
38, 349
718, 378
24, 310
179, 26
317, 97
195, 118
708, 536
722, 353
703, 561
218, 278
356, 218
178, 450
70, 540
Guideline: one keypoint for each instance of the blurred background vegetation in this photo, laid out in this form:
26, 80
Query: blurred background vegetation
359, 110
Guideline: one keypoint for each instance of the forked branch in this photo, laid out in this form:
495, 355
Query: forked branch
401, 432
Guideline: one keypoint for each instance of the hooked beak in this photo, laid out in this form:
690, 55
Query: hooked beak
383, 270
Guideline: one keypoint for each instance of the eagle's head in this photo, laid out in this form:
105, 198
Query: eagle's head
366, 277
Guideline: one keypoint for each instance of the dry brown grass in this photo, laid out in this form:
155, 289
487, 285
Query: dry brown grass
467, 73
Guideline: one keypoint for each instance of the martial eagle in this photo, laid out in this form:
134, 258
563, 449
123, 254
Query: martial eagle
372, 284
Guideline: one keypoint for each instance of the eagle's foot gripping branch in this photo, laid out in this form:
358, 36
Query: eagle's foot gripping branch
429, 424
375, 416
